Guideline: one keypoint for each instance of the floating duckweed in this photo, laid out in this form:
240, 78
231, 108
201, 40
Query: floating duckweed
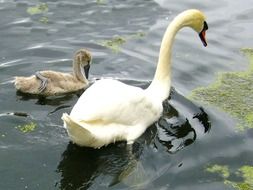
44, 20
245, 171
138, 35
223, 170
232, 92
27, 128
115, 43
39, 9
248, 52
247, 174
243, 186
238, 186
100, 1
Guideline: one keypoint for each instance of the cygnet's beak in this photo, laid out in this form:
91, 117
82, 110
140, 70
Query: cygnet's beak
202, 34
86, 70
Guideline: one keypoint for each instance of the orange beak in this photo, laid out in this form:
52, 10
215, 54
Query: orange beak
202, 34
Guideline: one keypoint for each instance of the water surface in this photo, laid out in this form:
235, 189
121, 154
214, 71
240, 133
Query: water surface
174, 152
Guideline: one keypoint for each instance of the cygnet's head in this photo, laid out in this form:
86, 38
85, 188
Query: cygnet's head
83, 59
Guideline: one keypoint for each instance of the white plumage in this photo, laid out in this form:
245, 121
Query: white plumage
132, 112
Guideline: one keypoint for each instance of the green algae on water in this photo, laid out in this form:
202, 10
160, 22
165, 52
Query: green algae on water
222, 170
44, 20
246, 172
232, 92
38, 9
27, 127
116, 42
238, 186
137, 35
100, 1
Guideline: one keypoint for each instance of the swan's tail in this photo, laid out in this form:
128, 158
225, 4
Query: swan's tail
77, 131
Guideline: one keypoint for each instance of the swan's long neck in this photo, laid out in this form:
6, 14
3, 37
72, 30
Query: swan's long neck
78, 71
161, 84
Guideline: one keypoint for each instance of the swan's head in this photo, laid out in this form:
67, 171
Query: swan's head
83, 59
196, 20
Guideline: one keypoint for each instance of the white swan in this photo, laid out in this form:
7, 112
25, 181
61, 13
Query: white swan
48, 83
112, 111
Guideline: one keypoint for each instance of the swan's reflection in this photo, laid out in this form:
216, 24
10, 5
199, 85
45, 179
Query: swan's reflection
83, 168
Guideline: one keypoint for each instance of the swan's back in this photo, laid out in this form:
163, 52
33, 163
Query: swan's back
110, 111
113, 101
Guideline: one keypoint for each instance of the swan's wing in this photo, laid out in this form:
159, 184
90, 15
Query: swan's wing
109, 101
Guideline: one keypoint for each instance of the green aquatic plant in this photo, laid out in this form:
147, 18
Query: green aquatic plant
38, 9
116, 42
222, 170
44, 20
238, 186
232, 92
137, 35
246, 172
100, 1
27, 127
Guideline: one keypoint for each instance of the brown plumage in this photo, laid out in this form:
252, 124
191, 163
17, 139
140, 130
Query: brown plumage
49, 83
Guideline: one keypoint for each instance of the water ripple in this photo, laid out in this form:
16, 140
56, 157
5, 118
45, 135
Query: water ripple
155, 162
11, 63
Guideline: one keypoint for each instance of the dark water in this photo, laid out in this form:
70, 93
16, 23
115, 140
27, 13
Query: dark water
174, 152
